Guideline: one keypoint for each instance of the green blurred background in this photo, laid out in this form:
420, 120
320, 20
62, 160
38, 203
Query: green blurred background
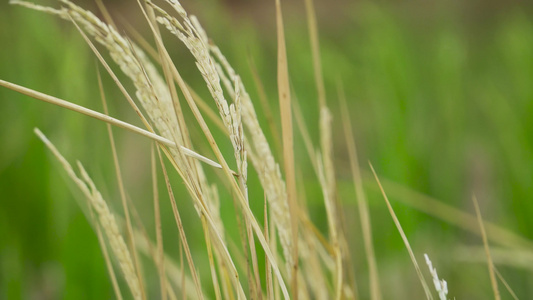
440, 94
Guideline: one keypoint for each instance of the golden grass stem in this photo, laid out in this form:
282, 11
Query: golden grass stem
206, 109
268, 271
364, 214
404, 237
243, 239
181, 231
214, 277
122, 190
140, 40
160, 257
105, 13
452, 215
105, 118
172, 269
182, 273
315, 49
330, 195
304, 131
273, 242
265, 105
332, 224
493, 281
284, 95
505, 283
329, 185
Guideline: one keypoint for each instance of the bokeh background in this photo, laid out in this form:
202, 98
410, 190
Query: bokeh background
440, 95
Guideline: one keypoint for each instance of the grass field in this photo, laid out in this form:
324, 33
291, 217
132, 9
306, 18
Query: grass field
441, 103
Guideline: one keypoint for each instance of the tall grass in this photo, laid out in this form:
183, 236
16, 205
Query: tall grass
278, 253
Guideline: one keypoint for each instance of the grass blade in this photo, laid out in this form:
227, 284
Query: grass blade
107, 259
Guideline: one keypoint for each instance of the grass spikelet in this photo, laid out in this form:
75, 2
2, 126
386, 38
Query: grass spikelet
107, 259
105, 218
118, 245
262, 158
196, 41
440, 284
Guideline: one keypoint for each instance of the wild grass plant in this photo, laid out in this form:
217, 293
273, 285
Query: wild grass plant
278, 251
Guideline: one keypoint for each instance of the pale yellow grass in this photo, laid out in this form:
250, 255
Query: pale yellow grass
317, 266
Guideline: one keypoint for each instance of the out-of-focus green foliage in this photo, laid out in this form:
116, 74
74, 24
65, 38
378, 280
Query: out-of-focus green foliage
444, 107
